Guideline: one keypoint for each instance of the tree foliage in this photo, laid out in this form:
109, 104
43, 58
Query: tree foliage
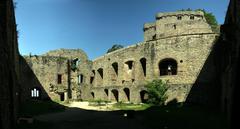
157, 92
114, 48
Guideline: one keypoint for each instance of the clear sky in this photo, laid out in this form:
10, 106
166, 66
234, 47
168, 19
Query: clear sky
94, 25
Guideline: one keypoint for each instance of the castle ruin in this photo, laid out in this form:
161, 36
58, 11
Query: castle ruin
174, 49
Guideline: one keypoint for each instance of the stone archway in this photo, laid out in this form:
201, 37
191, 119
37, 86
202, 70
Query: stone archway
168, 66
127, 93
143, 96
115, 95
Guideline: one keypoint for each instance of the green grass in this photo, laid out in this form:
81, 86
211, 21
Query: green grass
130, 106
37, 107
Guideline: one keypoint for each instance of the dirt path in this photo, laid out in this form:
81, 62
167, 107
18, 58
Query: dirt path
85, 105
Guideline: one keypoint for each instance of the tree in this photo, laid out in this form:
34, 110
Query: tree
157, 92
114, 48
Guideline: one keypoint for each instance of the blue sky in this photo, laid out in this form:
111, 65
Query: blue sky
94, 25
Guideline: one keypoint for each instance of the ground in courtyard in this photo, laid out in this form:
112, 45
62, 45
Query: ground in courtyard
168, 117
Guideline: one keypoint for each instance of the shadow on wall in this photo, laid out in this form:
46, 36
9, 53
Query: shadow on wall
207, 89
34, 98
31, 87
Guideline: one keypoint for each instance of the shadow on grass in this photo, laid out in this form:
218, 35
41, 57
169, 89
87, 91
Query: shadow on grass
39, 107
173, 116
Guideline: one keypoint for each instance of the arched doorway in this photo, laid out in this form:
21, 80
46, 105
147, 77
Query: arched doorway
144, 96
115, 94
106, 92
168, 67
127, 93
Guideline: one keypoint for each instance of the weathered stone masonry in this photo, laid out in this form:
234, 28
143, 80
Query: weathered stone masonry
9, 66
175, 48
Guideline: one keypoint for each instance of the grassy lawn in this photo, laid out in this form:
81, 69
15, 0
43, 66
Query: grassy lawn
130, 106
37, 107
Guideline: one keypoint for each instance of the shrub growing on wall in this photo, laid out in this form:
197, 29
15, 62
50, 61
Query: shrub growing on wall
210, 18
157, 92
114, 48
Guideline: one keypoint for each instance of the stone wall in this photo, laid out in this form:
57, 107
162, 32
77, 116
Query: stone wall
227, 58
122, 74
42, 72
9, 66
176, 23
54, 74
185, 50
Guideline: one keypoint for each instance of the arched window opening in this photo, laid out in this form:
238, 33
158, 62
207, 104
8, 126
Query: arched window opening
115, 94
192, 17
100, 72
35, 93
115, 67
127, 93
168, 67
106, 91
179, 17
80, 78
92, 77
129, 64
143, 96
143, 63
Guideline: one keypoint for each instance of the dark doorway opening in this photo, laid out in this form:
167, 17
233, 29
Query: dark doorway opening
127, 93
62, 97
144, 96
91, 80
168, 67
115, 94
106, 91
93, 95
59, 79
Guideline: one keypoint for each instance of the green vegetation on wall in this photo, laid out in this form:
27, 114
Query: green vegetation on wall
210, 18
114, 48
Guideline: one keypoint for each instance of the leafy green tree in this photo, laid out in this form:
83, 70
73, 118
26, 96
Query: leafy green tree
157, 92
114, 48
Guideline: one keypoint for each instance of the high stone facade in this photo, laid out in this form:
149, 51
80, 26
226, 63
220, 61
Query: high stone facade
175, 48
